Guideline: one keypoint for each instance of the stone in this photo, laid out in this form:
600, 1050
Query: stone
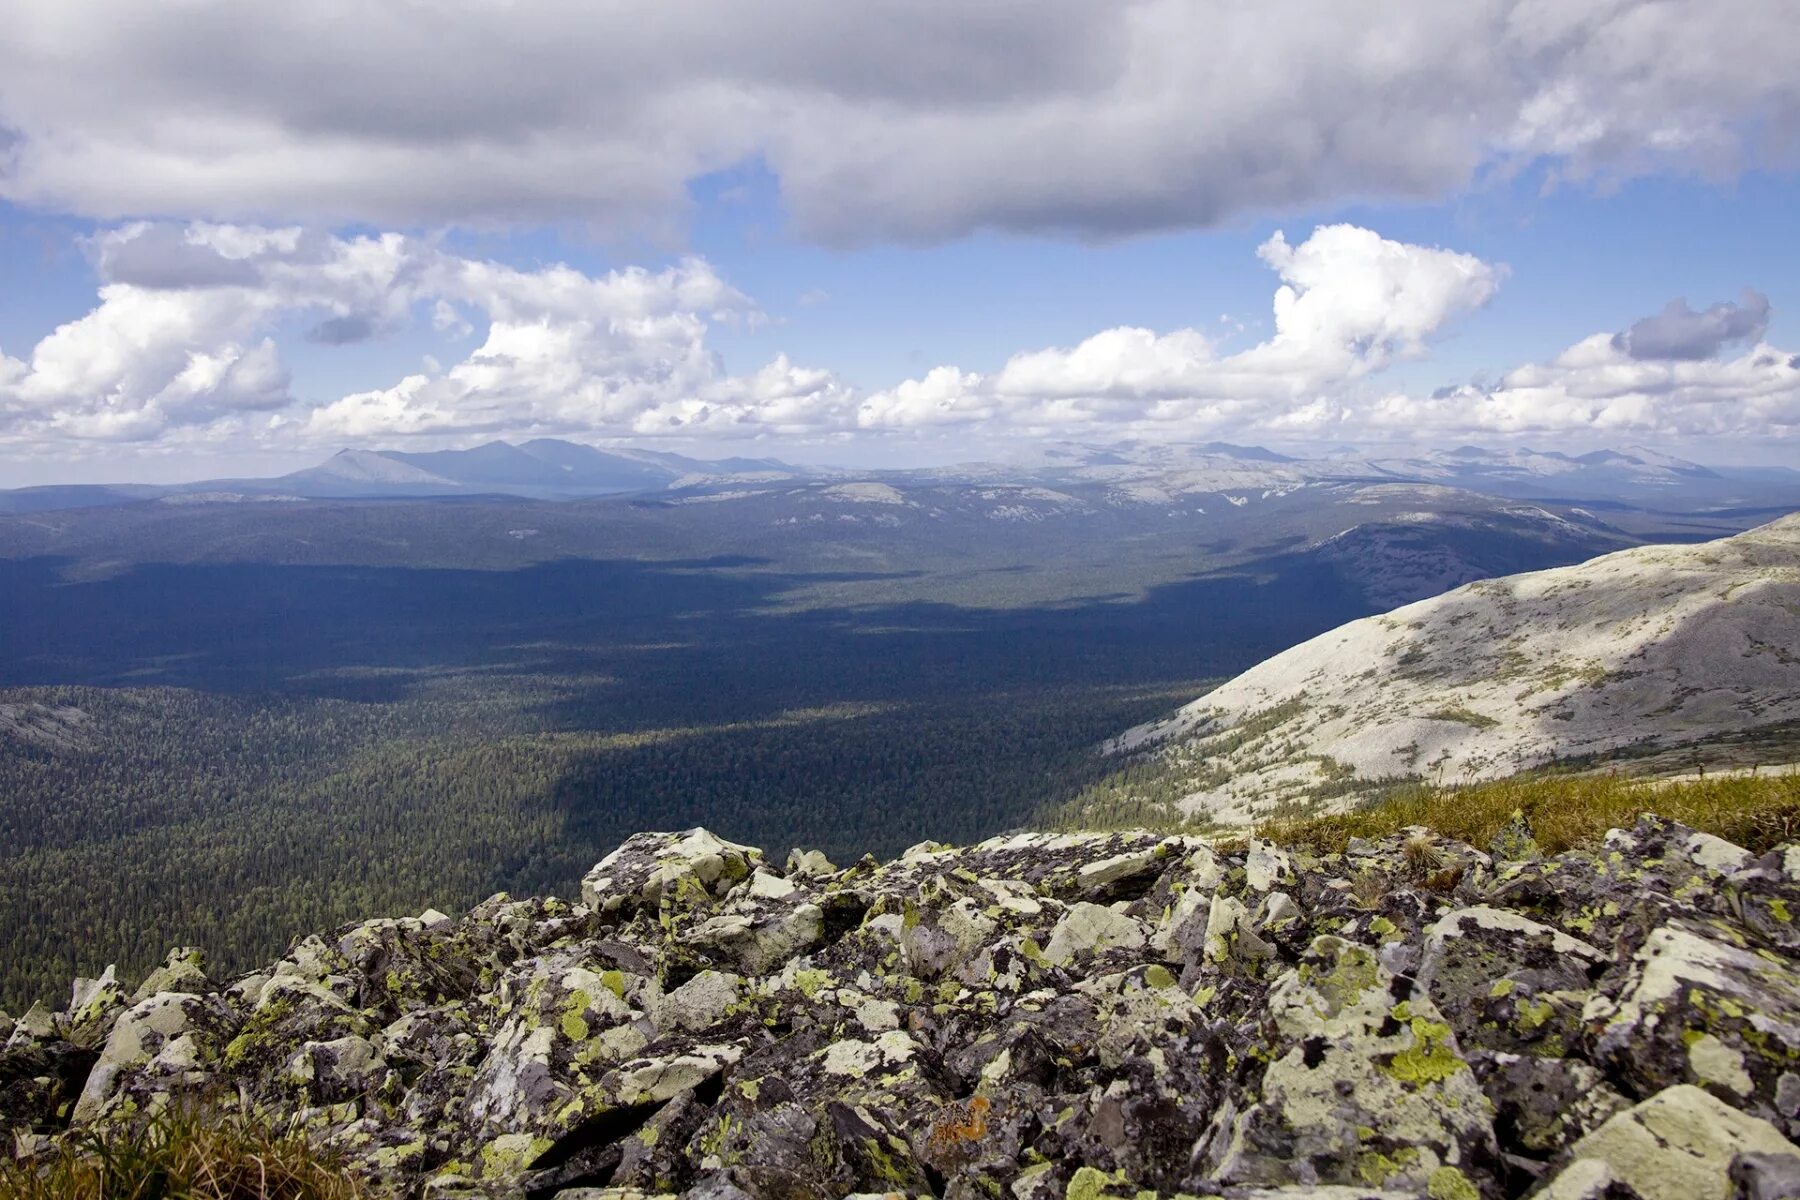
809, 864
183, 970
650, 1081
1515, 842
1758, 1175
1100, 1014
1507, 982
1230, 936
1678, 1145
1543, 1104
699, 1003
37, 1025
169, 1043
679, 868
759, 941
345, 1068
1091, 929
1367, 1086
1701, 1006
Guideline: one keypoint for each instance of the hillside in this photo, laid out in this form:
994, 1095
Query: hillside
1647, 649
1036, 1016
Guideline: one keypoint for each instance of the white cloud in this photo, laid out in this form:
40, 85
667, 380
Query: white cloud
178, 352
1596, 386
565, 352
178, 346
910, 119
1350, 303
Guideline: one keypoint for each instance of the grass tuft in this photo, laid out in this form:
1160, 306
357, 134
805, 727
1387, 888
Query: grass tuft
1564, 811
182, 1155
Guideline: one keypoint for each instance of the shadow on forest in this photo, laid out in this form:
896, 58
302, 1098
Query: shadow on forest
680, 642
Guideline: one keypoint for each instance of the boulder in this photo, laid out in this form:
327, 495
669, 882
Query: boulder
1088, 929
165, 1045
1678, 1145
183, 970
1507, 982
681, 869
1701, 1005
1366, 1085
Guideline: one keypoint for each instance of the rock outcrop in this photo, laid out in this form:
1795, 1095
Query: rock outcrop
1036, 1016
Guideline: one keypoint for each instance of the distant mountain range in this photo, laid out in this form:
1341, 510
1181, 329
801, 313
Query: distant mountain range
1146, 472
1644, 652
543, 467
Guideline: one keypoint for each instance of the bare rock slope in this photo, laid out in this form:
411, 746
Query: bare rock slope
1655, 646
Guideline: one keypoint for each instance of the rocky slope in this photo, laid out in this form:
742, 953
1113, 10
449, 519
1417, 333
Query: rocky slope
1654, 646
1035, 1016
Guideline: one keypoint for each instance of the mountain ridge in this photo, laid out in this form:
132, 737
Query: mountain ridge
551, 468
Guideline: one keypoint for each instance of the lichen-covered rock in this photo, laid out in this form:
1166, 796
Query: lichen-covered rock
184, 970
1506, 982
1091, 929
343, 1070
678, 868
1543, 1104
163, 1046
37, 1026
1036, 1016
560, 1026
757, 937
93, 1006
700, 1003
1367, 1085
1678, 1145
1703, 1005
39, 1084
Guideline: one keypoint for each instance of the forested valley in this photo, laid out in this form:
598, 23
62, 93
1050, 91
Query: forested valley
278, 749
225, 726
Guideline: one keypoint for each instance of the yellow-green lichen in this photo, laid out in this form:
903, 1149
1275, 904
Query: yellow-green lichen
1090, 1183
1429, 1059
1448, 1183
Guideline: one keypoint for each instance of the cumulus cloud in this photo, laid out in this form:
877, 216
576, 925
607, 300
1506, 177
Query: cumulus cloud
1681, 333
1350, 303
179, 350
566, 352
1599, 386
909, 119
179, 345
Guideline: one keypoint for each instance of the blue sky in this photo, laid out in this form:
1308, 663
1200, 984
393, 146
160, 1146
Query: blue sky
905, 264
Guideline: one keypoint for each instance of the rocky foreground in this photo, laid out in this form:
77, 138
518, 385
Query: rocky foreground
1036, 1016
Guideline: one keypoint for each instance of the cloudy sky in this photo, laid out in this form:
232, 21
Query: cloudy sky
236, 235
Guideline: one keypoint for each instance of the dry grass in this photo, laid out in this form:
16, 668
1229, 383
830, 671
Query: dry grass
1566, 811
186, 1155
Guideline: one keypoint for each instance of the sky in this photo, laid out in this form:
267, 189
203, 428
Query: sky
238, 236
